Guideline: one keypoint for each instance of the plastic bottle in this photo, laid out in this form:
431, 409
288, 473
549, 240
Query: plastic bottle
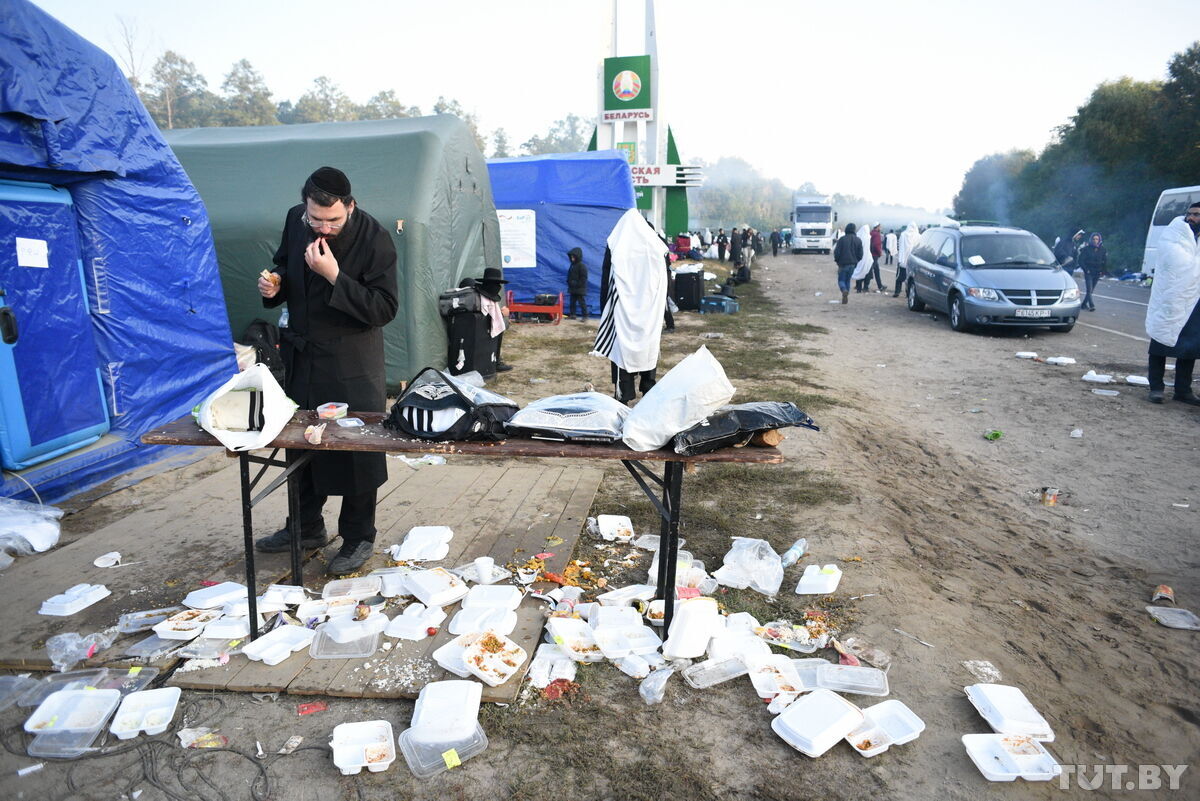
793, 554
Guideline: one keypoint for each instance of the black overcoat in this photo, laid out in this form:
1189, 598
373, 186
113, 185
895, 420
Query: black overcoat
333, 343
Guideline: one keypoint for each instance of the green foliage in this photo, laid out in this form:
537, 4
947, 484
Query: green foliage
568, 135
178, 95
247, 99
734, 193
324, 102
1106, 167
500, 144
386, 106
444, 106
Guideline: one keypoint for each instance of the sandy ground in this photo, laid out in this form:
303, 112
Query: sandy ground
954, 546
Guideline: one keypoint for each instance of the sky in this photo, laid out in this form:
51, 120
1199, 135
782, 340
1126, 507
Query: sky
890, 101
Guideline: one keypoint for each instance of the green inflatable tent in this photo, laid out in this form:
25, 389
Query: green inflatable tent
423, 178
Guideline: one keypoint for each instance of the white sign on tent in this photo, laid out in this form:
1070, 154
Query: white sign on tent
518, 237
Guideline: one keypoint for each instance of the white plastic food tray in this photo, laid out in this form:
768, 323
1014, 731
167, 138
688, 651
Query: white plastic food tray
277, 645
367, 744
150, 711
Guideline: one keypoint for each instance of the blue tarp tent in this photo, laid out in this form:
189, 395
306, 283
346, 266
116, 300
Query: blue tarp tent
106, 264
577, 199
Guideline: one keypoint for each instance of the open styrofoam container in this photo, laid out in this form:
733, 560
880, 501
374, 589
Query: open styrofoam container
427, 759
505, 596
150, 711
73, 712
415, 621
818, 580
621, 617
228, 628
655, 612
424, 543
493, 658
736, 644
393, 580
325, 647
287, 594
575, 638
1005, 757
446, 711
312, 610
813, 723
450, 655
214, 596
186, 625
133, 622
278, 644
469, 573
694, 623
772, 675
345, 628
74, 599
480, 618
885, 724
624, 596
366, 744
357, 587
857, 679
436, 586
618, 528
1008, 711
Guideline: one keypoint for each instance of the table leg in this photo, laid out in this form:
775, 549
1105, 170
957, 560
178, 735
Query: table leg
248, 532
293, 491
668, 542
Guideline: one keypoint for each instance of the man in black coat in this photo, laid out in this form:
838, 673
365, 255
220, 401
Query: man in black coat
577, 280
336, 269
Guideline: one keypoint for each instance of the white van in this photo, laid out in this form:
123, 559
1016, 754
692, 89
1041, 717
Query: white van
1172, 203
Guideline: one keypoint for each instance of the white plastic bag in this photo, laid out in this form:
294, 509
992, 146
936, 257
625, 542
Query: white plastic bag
688, 393
582, 416
248, 411
751, 563
26, 528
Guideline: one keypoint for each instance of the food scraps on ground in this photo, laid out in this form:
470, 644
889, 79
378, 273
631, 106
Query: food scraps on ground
560, 688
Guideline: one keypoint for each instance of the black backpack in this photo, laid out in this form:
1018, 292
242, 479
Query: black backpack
264, 338
435, 406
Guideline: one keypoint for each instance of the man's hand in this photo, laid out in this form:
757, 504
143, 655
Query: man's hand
268, 284
321, 261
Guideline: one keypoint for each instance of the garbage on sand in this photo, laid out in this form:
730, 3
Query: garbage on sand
1174, 618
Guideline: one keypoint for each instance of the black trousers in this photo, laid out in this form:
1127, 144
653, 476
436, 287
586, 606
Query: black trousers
356, 521
721, 251
875, 272
625, 380
581, 300
1183, 374
901, 274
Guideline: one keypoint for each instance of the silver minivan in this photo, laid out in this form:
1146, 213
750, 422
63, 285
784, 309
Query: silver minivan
990, 275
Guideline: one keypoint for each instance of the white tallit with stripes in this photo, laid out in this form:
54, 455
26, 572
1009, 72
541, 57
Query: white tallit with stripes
631, 321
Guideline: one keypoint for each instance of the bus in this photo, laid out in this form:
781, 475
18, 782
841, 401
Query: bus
1172, 203
812, 223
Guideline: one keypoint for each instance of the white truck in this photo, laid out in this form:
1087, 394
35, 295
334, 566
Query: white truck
812, 223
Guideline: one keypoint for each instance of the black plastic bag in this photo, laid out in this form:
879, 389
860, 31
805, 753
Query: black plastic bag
737, 423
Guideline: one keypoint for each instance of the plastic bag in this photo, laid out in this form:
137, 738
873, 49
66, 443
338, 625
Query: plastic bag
653, 687
736, 424
751, 563
26, 528
67, 650
688, 393
582, 416
247, 411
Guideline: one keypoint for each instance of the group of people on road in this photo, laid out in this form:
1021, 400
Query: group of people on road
857, 253
1078, 251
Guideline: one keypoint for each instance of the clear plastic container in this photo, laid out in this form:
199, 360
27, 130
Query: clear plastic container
133, 622
358, 587
64, 745
367, 744
210, 647
855, 679
73, 712
214, 596
325, 647
13, 687
446, 711
70, 680
428, 759
710, 673
150, 711
151, 648
807, 670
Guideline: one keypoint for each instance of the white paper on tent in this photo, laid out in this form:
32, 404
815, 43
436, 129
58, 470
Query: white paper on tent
248, 411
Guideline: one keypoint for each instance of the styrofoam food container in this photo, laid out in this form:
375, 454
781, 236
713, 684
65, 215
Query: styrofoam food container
287, 594
229, 628
429, 759
885, 724
73, 600
214, 596
393, 580
617, 528
367, 744
312, 610
345, 628
1004, 757
133, 622
415, 621
642, 640
424, 543
481, 618
502, 595
469, 573
1008, 711
278, 644
818, 580
655, 612
624, 596
357, 587
436, 586
186, 625
740, 644
620, 617
150, 711
493, 658
73, 711
1026, 354
772, 675
692, 626
856, 679
446, 710
450, 655
813, 723
575, 638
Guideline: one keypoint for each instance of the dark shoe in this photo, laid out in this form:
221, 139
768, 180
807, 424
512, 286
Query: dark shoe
896, 294
501, 367
1155, 396
281, 540
350, 558
845, 297
1189, 398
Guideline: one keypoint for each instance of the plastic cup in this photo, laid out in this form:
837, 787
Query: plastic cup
485, 568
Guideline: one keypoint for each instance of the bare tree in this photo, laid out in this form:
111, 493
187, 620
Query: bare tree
131, 55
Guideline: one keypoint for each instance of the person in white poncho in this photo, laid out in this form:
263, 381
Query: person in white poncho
908, 241
634, 295
862, 273
1173, 316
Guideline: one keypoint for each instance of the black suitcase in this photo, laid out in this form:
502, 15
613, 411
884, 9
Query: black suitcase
689, 288
471, 344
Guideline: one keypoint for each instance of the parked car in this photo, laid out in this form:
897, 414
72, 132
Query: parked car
988, 275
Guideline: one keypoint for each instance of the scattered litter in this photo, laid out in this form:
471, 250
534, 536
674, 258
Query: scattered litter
911, 637
73, 600
885, 724
1092, 377
1174, 618
751, 563
714, 334
429, 458
1049, 496
974, 411
834, 302
1164, 592
815, 722
1181, 505
1008, 711
993, 434
1076, 433
25, 771
1026, 354
423, 543
537, 381
1137, 380
350, 422
291, 745
310, 708
1108, 393
868, 595
67, 649
201, 737
818, 580
868, 653
653, 687
845, 657
983, 671
881, 365
1061, 361
313, 434
367, 745
262, 698
110, 559
818, 294
1003, 758
793, 554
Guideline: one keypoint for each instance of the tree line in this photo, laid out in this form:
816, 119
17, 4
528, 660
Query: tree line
177, 96
1103, 170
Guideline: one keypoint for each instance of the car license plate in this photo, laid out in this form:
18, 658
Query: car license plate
1032, 313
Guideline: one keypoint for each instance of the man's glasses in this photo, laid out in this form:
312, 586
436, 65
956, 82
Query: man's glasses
319, 224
